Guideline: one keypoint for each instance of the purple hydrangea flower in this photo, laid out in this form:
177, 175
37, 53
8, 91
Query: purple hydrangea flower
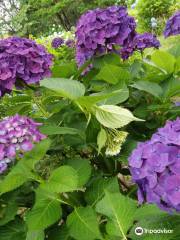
17, 135
138, 42
22, 59
100, 29
146, 40
70, 43
173, 25
155, 167
57, 42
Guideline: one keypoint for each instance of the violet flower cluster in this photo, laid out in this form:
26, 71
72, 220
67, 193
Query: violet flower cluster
70, 43
98, 30
139, 42
101, 30
57, 42
173, 25
22, 59
17, 135
155, 167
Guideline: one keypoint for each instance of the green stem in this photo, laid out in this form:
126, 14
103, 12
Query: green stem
38, 104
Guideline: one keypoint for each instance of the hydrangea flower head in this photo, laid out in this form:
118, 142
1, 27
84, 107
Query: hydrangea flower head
57, 42
146, 40
70, 43
17, 135
22, 59
139, 42
100, 29
173, 25
155, 167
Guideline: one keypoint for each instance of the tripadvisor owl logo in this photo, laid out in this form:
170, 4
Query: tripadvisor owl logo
139, 231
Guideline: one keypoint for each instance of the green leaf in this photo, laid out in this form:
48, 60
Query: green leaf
14, 230
22, 171
101, 139
45, 212
56, 130
110, 58
158, 222
64, 70
171, 87
67, 88
35, 235
175, 50
120, 94
120, 211
112, 74
36, 154
163, 60
112, 116
88, 101
148, 210
63, 179
58, 233
96, 190
8, 212
150, 87
82, 224
83, 169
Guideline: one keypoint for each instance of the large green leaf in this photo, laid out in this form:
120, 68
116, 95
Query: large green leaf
150, 87
112, 116
8, 211
112, 74
120, 212
67, 88
171, 87
56, 130
163, 60
96, 190
120, 94
35, 235
22, 171
150, 217
45, 212
83, 224
58, 233
64, 70
14, 230
83, 169
63, 179
112, 95
158, 223
110, 58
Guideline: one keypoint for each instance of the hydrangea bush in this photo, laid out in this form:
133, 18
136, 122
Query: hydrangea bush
90, 156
